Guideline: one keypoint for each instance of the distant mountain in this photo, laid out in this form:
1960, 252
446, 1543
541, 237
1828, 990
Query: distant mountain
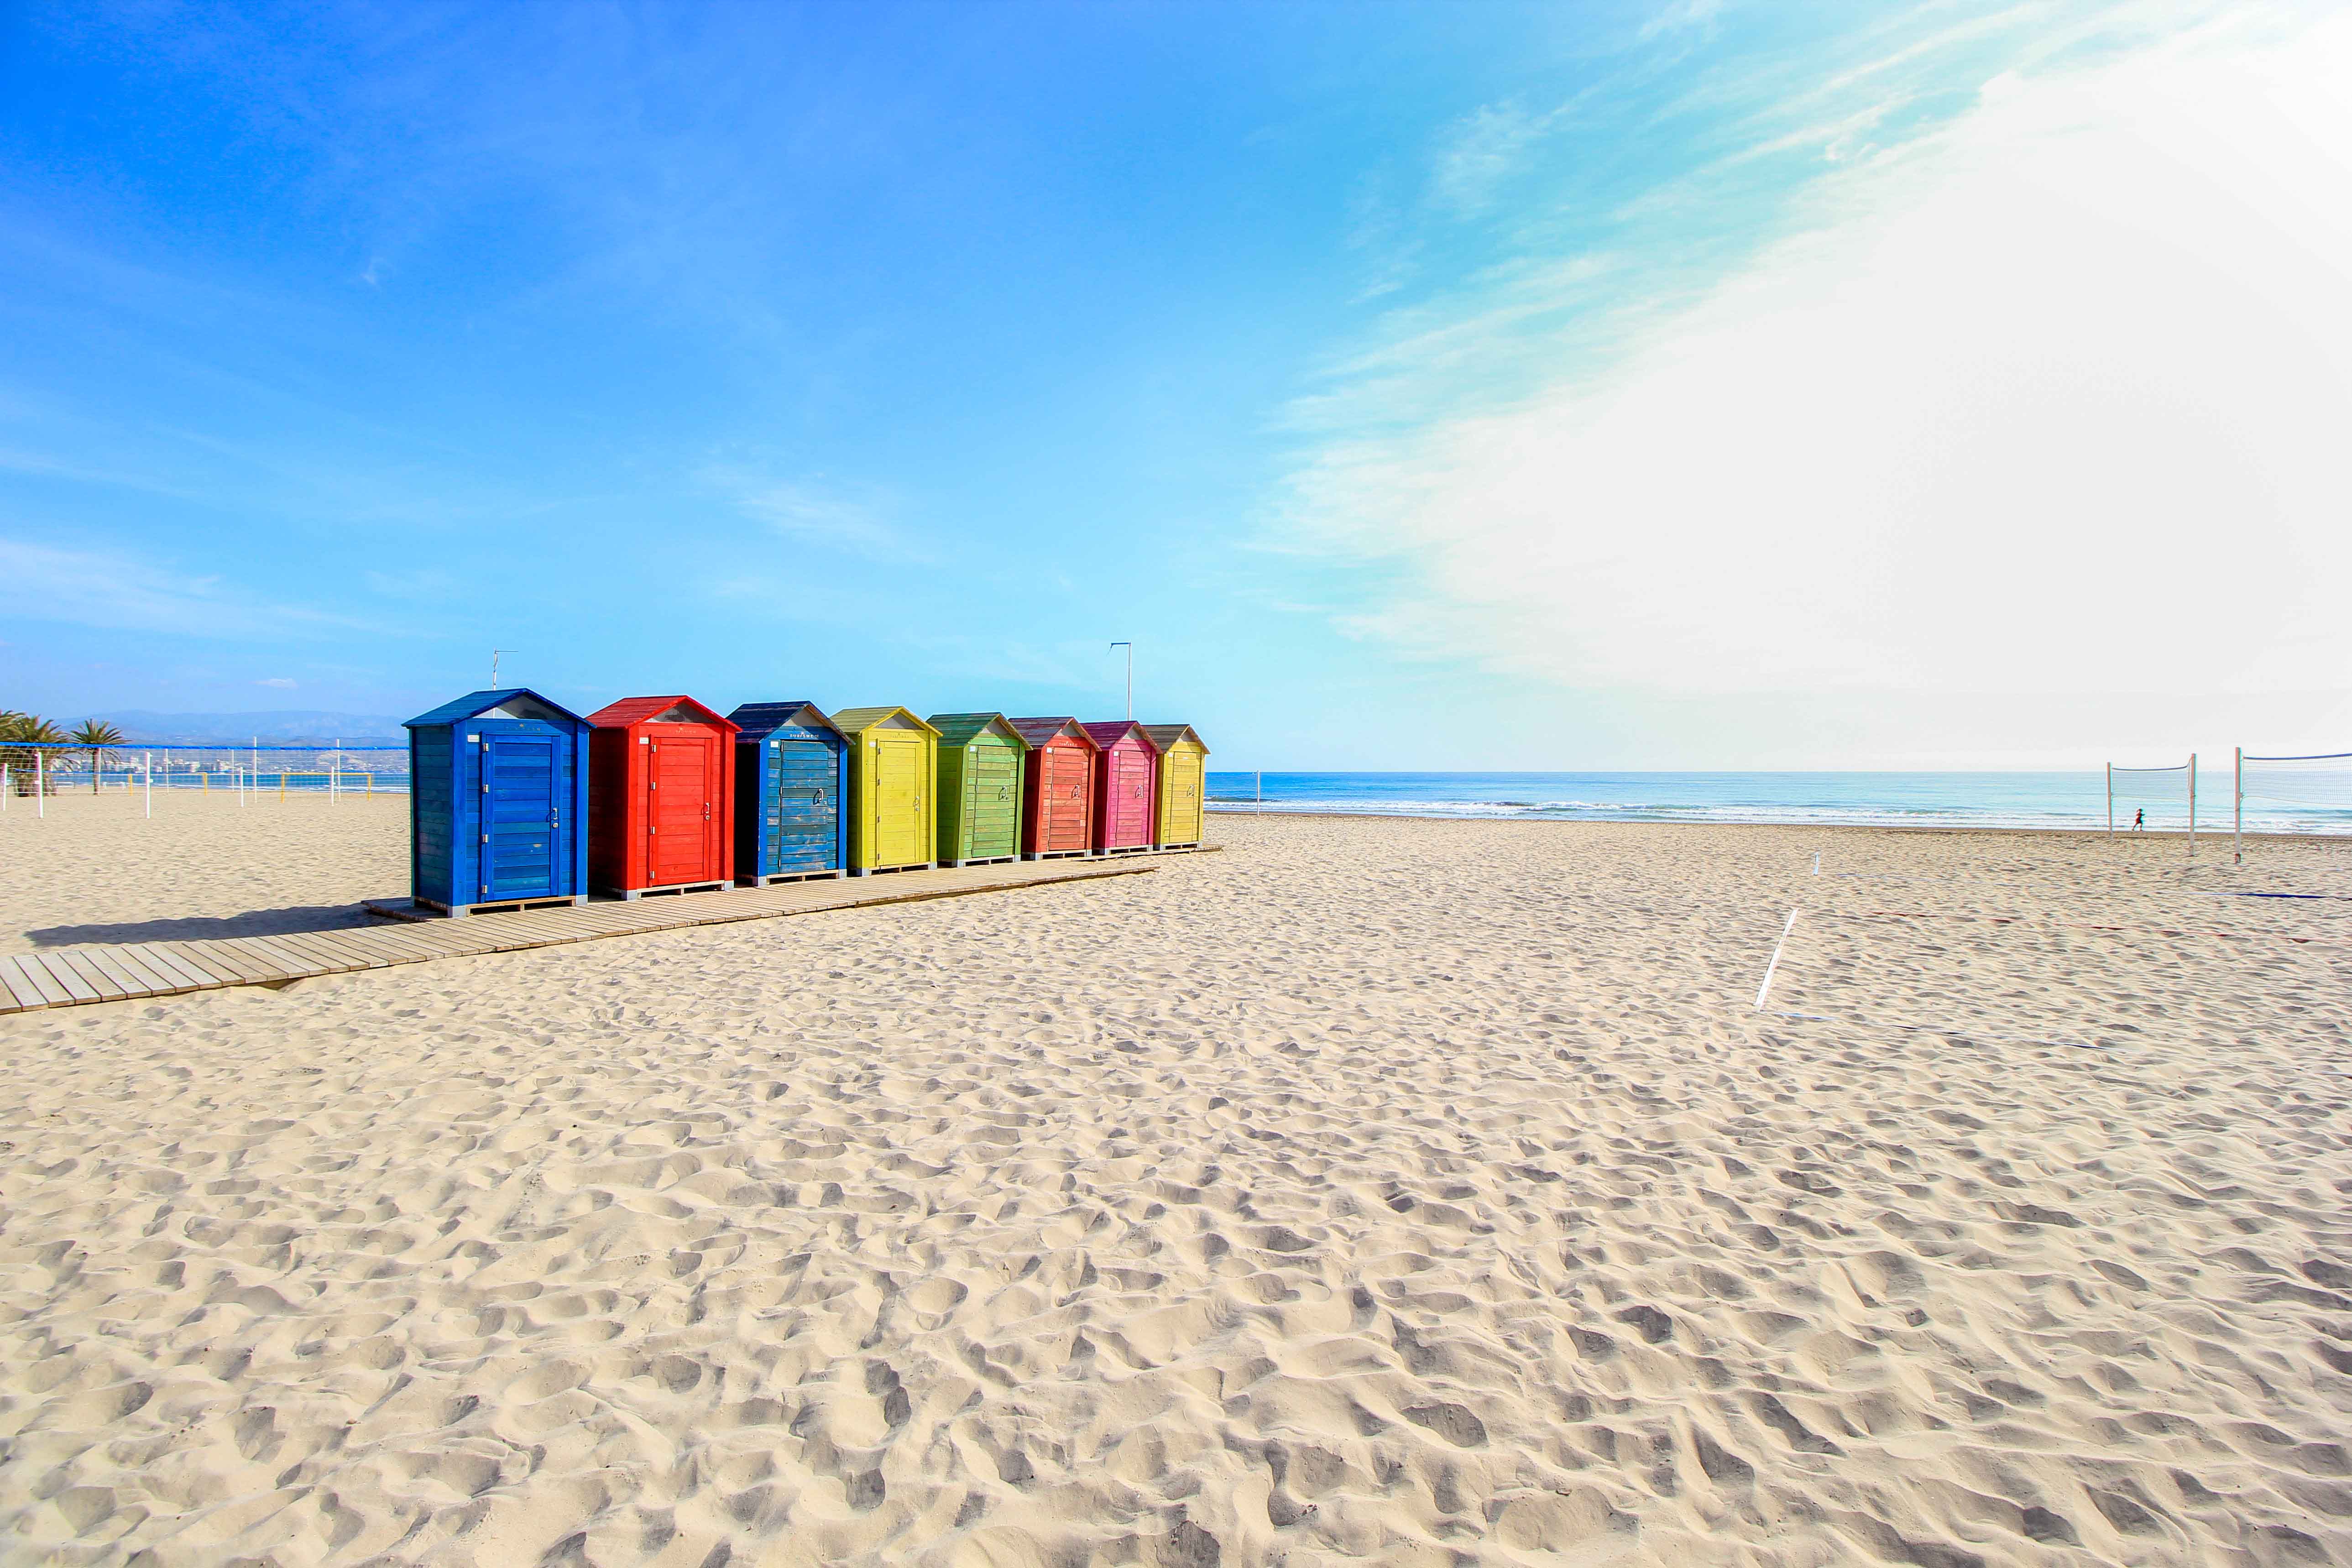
281, 727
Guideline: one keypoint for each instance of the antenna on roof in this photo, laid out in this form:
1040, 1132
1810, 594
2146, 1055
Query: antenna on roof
1130, 676
494, 664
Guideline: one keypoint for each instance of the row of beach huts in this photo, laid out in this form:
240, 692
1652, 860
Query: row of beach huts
516, 800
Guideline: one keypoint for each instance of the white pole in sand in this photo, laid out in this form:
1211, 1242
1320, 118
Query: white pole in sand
2237, 806
2192, 803
40, 785
2111, 800
147, 767
1261, 791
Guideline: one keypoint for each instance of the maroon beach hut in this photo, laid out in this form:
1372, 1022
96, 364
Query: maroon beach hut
1057, 788
1126, 766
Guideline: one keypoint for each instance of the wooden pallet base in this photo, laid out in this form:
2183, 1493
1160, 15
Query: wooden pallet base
1127, 849
1177, 848
1055, 854
778, 879
992, 860
432, 909
893, 870
632, 895
119, 971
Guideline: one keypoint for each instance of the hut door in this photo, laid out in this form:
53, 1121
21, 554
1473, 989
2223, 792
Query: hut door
1131, 792
523, 827
799, 824
991, 783
901, 831
1180, 814
679, 775
1064, 802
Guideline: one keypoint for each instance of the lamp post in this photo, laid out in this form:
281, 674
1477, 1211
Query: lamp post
1130, 676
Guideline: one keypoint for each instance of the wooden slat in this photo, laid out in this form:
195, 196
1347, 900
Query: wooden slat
159, 956
22, 992
328, 949
110, 976
294, 963
152, 981
55, 966
245, 968
108, 988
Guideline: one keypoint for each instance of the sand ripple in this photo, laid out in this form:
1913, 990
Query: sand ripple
1426, 1192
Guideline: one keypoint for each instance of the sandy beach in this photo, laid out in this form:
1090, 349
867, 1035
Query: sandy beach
1411, 1192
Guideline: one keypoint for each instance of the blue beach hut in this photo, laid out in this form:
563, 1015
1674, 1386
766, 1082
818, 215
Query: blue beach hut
792, 773
498, 804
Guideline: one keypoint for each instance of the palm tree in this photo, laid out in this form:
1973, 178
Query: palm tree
24, 737
96, 735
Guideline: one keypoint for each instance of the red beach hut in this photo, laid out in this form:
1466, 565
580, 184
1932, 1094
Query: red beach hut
1126, 764
661, 797
1057, 788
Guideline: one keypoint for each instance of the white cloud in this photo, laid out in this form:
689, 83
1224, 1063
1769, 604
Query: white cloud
280, 681
812, 512
1479, 152
2050, 400
119, 592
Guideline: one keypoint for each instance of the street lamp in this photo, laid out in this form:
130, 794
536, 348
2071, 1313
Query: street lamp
1130, 676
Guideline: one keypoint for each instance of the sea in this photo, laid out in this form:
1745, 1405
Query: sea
2070, 801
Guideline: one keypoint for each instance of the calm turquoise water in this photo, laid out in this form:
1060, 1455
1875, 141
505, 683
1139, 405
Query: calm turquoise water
1901, 800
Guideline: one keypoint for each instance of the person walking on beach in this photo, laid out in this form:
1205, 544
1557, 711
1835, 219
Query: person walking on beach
2139, 819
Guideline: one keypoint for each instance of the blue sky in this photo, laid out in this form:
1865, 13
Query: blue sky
1448, 386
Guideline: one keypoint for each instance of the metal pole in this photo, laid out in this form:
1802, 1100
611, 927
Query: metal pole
1130, 676
40, 782
147, 767
2192, 803
2111, 800
3, 786
1261, 791
2237, 806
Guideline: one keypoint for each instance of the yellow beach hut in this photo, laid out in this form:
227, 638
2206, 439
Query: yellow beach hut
893, 755
1183, 775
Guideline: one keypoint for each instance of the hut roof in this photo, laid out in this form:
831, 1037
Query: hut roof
1163, 736
631, 710
758, 721
1037, 731
1109, 732
478, 702
961, 729
857, 720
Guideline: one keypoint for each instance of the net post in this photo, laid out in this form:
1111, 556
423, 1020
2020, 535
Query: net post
2237, 808
2192, 803
2111, 800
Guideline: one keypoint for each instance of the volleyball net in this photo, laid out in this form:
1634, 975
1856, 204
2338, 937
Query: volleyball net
2153, 800
247, 772
2314, 791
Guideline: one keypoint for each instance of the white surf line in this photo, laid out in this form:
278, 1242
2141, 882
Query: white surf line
1768, 968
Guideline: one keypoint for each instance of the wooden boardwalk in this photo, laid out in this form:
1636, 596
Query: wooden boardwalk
131, 971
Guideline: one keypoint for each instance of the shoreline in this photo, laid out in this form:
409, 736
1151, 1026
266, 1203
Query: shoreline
1214, 809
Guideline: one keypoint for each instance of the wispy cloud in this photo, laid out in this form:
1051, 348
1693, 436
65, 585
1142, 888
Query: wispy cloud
281, 683
1480, 155
119, 592
813, 511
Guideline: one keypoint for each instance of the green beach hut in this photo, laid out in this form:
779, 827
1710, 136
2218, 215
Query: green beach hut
892, 764
979, 788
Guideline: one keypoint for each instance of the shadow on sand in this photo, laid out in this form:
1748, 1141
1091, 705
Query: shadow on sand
253, 923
